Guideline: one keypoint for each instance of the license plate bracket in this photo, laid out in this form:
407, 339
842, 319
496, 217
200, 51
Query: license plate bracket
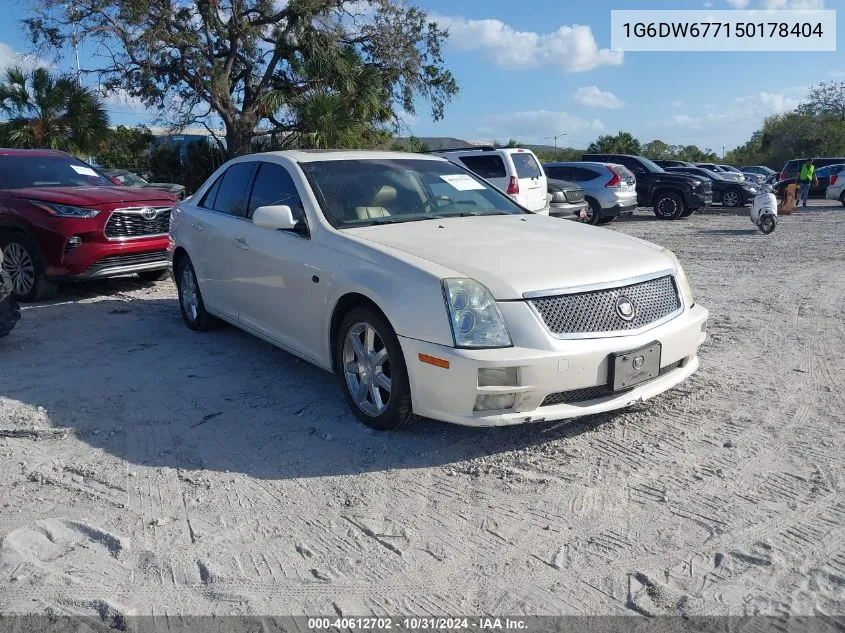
629, 369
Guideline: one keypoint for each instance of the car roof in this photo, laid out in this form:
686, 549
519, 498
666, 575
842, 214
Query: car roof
9, 151
320, 155
581, 163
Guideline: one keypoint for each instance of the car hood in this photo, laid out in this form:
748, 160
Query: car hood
512, 255
669, 176
94, 196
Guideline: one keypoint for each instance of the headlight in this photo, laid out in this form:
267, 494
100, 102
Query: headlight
696, 183
558, 196
65, 211
474, 315
681, 279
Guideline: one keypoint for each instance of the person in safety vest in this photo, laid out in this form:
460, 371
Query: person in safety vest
806, 177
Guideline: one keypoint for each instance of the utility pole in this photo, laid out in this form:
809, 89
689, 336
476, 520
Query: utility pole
555, 137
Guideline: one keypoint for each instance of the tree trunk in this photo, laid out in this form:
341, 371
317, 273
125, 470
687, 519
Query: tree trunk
238, 138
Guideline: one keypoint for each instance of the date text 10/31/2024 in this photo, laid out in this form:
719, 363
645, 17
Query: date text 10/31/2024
417, 623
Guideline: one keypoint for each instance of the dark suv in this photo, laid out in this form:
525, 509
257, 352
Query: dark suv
672, 196
62, 219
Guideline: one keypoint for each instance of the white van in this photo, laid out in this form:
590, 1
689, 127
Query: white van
514, 170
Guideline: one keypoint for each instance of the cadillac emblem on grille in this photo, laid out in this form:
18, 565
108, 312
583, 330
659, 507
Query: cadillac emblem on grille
625, 309
149, 214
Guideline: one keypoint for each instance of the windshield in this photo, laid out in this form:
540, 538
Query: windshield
385, 191
131, 180
21, 171
650, 165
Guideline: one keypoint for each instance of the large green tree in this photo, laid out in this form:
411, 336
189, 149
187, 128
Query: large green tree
49, 111
262, 67
621, 143
125, 148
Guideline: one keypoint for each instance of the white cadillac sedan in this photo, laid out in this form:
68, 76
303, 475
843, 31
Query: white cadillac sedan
430, 292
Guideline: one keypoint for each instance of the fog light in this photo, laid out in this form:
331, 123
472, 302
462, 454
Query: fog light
494, 402
498, 377
72, 243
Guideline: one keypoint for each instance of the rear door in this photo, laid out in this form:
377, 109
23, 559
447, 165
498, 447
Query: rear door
489, 166
533, 185
557, 172
220, 224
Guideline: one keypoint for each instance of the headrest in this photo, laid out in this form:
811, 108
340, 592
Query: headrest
384, 196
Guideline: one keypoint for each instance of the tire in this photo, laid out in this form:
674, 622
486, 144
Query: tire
10, 313
362, 388
21, 261
842, 198
190, 298
767, 224
607, 220
668, 205
593, 212
732, 198
153, 275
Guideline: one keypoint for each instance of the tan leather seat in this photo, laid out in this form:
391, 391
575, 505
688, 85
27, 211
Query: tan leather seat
378, 207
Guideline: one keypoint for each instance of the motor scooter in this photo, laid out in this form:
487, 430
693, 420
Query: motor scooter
764, 212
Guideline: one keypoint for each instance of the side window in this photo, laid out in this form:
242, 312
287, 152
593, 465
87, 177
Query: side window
559, 173
210, 196
490, 166
526, 166
274, 185
234, 189
582, 174
631, 164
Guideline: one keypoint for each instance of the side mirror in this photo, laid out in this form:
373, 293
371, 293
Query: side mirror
277, 217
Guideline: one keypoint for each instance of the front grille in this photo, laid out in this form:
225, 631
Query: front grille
596, 312
129, 223
574, 196
594, 393
132, 260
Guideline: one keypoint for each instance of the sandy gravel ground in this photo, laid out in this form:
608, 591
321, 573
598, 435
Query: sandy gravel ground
148, 469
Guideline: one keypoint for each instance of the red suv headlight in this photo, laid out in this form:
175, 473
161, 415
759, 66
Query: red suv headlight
64, 210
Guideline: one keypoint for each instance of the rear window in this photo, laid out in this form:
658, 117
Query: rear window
526, 166
23, 171
491, 166
583, 174
624, 172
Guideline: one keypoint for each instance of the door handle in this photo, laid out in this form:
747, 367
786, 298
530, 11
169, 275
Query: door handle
241, 243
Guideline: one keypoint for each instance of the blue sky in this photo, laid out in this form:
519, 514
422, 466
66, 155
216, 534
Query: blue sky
526, 72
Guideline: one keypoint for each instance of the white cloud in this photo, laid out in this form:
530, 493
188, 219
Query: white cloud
120, 98
777, 4
536, 125
570, 48
748, 111
9, 57
598, 98
678, 103
738, 4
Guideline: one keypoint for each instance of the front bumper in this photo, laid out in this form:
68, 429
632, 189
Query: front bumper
699, 200
568, 365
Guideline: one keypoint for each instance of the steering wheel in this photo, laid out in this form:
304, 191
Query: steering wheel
423, 206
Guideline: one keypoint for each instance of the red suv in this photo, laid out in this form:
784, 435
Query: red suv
60, 219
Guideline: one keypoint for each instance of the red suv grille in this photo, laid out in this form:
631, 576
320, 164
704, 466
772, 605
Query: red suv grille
138, 222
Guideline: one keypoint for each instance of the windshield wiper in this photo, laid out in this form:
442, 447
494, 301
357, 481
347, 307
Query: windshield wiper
469, 214
390, 219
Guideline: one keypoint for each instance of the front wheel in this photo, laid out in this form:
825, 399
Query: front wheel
731, 198
669, 206
767, 224
593, 212
372, 371
20, 260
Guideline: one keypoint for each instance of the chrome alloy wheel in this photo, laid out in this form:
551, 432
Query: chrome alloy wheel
366, 365
21, 268
730, 199
188, 295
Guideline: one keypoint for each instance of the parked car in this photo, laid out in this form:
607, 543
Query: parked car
489, 315
567, 200
610, 189
836, 187
130, 179
725, 173
761, 172
729, 192
60, 219
736, 172
10, 312
515, 171
664, 163
792, 167
818, 188
672, 196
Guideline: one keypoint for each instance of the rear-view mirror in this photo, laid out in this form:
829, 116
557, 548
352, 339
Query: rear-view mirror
276, 216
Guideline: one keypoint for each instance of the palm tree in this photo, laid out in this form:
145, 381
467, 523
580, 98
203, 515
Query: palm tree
47, 111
